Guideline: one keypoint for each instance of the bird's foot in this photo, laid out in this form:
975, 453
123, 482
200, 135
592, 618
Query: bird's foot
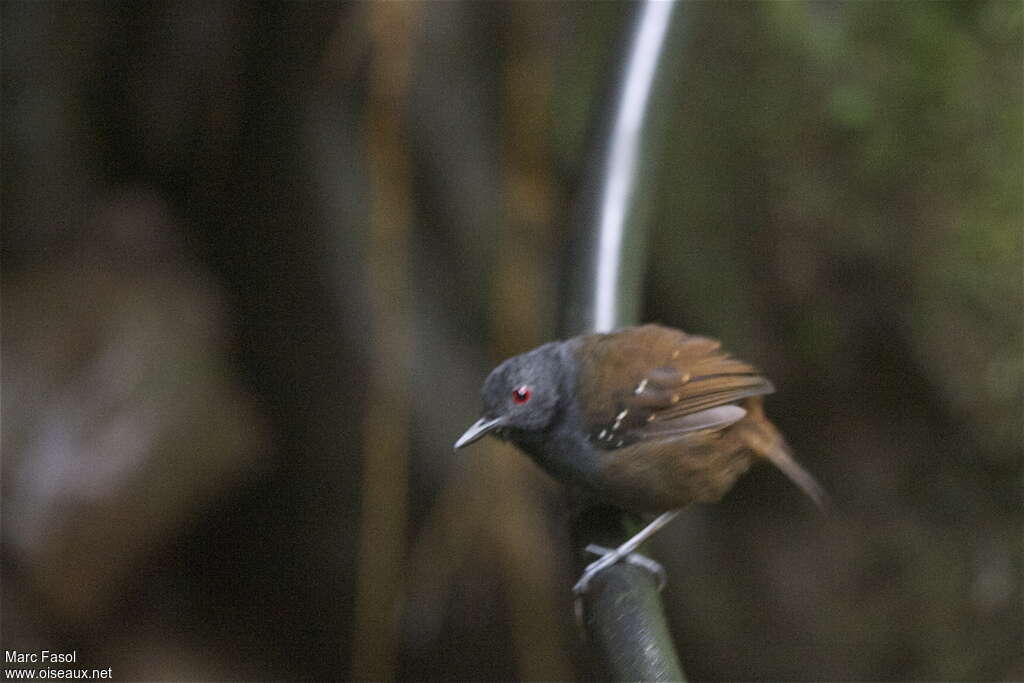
610, 556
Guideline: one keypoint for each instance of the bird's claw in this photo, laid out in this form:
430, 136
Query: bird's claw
610, 556
651, 566
593, 569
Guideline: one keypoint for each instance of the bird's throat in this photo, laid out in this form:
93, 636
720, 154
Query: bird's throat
560, 452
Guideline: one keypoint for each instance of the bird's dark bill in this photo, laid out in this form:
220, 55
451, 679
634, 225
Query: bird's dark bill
479, 429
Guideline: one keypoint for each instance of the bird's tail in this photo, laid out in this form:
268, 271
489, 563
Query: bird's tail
765, 440
783, 459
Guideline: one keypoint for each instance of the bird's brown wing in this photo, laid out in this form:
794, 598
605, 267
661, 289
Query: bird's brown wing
653, 382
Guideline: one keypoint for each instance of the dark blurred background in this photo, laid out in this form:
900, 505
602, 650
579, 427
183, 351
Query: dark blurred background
258, 258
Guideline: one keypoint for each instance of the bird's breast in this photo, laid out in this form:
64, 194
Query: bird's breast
562, 451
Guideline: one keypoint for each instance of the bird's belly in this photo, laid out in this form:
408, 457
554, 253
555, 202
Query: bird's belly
655, 477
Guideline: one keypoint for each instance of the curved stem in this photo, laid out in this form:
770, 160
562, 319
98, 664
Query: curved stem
622, 609
620, 170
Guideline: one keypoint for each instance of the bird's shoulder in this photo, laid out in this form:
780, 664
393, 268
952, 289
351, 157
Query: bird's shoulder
654, 382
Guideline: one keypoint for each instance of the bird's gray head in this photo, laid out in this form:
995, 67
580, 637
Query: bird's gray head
520, 395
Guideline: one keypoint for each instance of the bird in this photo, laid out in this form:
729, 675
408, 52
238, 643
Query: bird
647, 418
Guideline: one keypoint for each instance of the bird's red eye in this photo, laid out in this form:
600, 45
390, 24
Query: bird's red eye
521, 394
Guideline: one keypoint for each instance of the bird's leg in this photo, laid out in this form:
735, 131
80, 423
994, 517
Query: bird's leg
623, 551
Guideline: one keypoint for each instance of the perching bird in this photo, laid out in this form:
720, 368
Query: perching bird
647, 418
